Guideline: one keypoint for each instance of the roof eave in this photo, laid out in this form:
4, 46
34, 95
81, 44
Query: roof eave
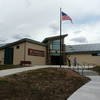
21, 41
83, 52
54, 37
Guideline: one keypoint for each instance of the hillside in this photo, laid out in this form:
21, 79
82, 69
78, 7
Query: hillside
41, 84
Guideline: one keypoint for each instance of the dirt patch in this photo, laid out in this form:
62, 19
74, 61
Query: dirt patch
41, 84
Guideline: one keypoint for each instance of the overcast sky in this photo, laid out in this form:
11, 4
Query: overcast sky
37, 19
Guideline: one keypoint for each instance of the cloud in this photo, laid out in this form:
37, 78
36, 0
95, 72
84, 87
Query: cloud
21, 35
28, 3
88, 30
77, 32
34, 17
79, 40
3, 40
54, 28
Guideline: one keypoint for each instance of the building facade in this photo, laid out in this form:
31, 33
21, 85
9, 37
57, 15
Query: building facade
24, 50
47, 52
86, 54
53, 50
27, 51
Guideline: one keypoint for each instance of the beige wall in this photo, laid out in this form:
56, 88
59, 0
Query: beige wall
36, 60
18, 53
21, 54
1, 56
86, 59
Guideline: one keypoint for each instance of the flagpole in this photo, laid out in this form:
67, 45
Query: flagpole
60, 37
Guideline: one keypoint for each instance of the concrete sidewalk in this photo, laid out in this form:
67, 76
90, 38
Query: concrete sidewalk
90, 91
17, 70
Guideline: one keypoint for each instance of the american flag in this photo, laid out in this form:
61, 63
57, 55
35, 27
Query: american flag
64, 17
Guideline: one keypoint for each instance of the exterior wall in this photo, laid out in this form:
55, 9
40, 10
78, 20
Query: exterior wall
36, 60
85, 59
2, 56
21, 54
18, 53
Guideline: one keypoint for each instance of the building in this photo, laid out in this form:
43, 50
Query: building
53, 50
86, 54
23, 50
27, 51
47, 52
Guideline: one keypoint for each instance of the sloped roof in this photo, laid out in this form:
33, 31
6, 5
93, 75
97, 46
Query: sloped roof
82, 48
21, 41
54, 37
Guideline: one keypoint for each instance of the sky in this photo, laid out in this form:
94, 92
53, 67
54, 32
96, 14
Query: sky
38, 19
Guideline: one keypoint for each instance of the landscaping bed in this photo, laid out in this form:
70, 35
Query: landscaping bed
41, 84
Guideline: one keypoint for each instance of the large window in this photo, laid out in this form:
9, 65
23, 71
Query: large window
55, 45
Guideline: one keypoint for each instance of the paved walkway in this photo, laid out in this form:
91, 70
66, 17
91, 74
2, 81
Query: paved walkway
17, 70
90, 91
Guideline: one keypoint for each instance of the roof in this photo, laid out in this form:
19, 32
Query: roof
21, 41
84, 48
54, 37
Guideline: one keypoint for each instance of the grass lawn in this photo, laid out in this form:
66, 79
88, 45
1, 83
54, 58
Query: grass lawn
97, 69
2, 67
41, 84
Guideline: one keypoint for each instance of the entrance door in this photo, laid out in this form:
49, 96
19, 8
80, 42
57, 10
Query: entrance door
8, 56
55, 60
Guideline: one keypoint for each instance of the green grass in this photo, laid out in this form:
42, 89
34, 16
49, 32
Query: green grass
2, 67
41, 84
97, 69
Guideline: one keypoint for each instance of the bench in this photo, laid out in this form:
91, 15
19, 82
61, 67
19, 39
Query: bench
25, 63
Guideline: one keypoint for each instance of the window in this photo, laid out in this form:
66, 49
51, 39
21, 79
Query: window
17, 47
55, 45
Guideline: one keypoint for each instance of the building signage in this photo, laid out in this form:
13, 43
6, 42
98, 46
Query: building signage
33, 52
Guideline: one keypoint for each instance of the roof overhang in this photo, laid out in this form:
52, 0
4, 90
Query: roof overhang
54, 38
21, 41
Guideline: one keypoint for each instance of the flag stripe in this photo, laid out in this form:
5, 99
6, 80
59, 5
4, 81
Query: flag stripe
65, 17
